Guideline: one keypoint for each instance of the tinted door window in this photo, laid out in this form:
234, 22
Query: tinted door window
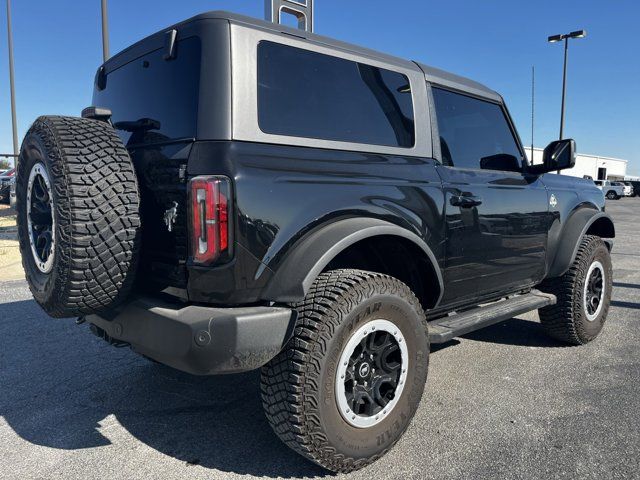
308, 94
152, 99
474, 133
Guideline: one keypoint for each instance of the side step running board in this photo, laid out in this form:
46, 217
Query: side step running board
444, 329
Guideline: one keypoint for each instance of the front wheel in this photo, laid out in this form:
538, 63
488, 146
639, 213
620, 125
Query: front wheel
349, 381
584, 295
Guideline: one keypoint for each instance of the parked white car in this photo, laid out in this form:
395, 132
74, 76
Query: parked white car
628, 189
611, 190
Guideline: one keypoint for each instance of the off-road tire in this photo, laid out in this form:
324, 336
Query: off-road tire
298, 385
611, 195
96, 213
566, 321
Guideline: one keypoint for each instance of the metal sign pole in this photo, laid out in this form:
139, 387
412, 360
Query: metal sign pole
301, 9
105, 32
12, 86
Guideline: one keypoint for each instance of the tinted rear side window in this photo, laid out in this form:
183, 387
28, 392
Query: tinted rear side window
472, 130
155, 100
308, 94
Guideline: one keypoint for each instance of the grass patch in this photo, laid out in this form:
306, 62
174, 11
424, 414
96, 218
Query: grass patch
9, 247
10, 264
8, 221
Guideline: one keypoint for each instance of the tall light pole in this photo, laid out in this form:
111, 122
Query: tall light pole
12, 81
558, 38
105, 32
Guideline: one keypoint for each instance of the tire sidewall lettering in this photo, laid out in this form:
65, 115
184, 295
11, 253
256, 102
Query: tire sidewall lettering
360, 441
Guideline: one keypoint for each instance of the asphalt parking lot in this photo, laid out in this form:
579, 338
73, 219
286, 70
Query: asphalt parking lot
504, 402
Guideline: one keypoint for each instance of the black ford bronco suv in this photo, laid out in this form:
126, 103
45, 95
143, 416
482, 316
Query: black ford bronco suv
245, 195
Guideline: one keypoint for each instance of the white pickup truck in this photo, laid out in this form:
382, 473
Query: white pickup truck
611, 190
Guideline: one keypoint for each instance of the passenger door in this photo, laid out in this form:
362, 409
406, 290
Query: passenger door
496, 216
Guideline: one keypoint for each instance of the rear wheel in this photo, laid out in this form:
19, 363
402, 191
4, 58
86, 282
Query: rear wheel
584, 295
611, 195
78, 218
348, 383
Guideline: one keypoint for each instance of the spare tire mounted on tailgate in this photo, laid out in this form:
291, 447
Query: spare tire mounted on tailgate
78, 215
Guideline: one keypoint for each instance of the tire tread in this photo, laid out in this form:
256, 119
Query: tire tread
560, 320
97, 214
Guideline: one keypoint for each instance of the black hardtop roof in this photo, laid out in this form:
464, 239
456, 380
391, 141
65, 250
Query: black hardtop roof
432, 74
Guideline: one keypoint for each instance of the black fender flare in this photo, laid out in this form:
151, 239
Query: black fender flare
310, 255
581, 223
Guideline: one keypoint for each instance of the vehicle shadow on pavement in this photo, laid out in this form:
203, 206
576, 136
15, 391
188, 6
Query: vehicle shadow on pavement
515, 331
62, 388
623, 304
626, 285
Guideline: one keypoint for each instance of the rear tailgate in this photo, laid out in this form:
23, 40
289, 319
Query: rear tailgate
154, 102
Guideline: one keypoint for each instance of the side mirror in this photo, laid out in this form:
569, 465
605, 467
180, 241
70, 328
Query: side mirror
559, 155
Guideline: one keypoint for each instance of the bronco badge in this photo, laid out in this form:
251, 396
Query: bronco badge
170, 216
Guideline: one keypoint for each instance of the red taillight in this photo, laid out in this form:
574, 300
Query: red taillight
210, 218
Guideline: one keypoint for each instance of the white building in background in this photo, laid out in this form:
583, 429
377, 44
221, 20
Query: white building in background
598, 168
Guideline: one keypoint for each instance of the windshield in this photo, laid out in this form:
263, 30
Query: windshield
154, 100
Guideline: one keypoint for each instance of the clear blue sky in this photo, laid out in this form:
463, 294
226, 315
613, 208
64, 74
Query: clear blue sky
57, 50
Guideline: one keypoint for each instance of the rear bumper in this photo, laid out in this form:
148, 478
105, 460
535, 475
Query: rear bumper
199, 340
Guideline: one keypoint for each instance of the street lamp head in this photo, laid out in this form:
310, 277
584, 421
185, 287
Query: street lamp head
561, 36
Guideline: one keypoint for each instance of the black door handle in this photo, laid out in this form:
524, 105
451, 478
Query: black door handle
465, 201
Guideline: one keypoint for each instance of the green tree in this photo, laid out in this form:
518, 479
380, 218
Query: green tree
4, 164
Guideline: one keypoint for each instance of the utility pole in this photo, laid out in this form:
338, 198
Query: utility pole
12, 86
105, 32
